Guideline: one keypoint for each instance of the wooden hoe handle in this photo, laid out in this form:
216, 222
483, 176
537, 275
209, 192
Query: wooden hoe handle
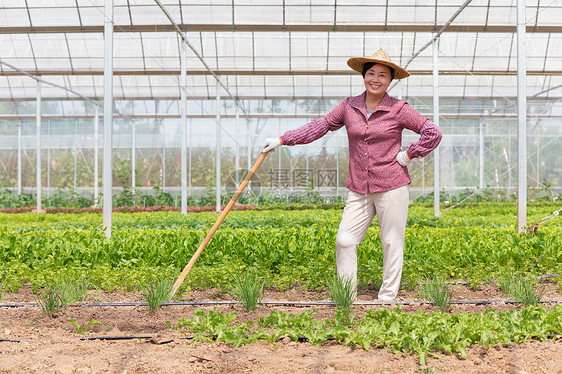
243, 185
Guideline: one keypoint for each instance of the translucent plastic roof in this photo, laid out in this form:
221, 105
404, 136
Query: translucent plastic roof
267, 48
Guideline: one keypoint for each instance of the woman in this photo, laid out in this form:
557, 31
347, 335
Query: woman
378, 177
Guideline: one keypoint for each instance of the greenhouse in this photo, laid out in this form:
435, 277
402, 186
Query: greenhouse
111, 106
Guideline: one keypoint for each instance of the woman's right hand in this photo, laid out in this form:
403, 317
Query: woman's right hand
270, 144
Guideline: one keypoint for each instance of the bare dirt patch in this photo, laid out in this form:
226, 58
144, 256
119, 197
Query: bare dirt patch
53, 345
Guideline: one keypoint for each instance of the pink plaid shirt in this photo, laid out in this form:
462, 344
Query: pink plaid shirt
374, 141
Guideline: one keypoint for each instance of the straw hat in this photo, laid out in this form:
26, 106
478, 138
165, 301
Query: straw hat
380, 57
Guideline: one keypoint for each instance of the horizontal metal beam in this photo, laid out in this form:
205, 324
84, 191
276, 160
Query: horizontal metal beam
267, 72
430, 28
250, 115
273, 97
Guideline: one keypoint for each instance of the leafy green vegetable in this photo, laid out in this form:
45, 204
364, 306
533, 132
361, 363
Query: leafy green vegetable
82, 330
284, 247
419, 333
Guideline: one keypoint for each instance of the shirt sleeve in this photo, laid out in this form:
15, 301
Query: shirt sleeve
316, 128
430, 134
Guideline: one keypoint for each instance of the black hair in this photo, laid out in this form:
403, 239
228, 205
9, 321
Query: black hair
368, 65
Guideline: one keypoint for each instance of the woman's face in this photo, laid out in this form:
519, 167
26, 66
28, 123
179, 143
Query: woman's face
377, 79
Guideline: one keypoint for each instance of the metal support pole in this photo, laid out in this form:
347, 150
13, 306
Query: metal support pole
279, 158
482, 183
436, 185
49, 159
538, 152
248, 148
38, 122
507, 153
164, 165
338, 147
74, 151
237, 149
218, 151
183, 110
521, 119
307, 149
423, 175
189, 154
19, 158
96, 157
133, 156
108, 118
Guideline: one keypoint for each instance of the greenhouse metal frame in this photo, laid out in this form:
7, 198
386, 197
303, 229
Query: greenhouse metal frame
181, 82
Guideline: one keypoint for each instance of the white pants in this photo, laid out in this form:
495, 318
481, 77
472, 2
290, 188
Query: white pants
391, 209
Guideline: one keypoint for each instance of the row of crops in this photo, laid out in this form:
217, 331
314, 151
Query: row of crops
474, 243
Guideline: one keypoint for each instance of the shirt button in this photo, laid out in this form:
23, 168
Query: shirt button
365, 154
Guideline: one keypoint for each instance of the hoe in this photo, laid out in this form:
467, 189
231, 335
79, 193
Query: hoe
207, 239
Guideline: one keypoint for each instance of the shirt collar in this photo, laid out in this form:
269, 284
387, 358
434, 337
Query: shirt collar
359, 102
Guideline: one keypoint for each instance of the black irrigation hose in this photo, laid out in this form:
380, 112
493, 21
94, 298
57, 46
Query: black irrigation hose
151, 339
540, 277
16, 340
115, 337
155, 341
285, 303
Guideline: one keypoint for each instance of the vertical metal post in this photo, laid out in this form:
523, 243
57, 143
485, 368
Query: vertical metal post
248, 148
508, 163
538, 152
74, 151
423, 175
96, 156
108, 118
481, 148
19, 158
436, 182
189, 154
38, 122
248, 151
306, 167
183, 114
521, 119
133, 156
280, 158
164, 164
218, 151
237, 150
49, 159
338, 147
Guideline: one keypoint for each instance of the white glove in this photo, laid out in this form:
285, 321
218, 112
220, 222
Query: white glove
402, 158
270, 144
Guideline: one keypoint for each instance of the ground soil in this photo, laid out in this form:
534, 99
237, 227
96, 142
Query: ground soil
52, 344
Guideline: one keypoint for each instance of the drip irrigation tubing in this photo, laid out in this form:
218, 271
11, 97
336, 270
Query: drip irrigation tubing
153, 340
116, 337
16, 340
285, 303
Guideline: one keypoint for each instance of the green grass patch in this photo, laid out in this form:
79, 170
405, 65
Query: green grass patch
157, 292
526, 290
343, 292
438, 292
247, 289
50, 300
